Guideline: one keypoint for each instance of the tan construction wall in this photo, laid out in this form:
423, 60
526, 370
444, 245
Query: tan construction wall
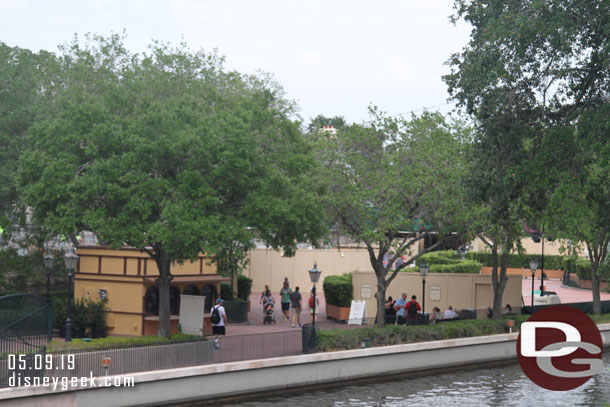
270, 267
463, 291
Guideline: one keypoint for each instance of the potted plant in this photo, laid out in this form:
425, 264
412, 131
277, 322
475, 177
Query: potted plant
244, 288
235, 307
96, 317
338, 293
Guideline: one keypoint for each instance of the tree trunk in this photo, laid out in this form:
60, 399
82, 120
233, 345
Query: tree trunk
498, 283
163, 282
380, 296
597, 305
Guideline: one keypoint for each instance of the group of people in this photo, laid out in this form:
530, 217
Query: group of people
290, 301
403, 312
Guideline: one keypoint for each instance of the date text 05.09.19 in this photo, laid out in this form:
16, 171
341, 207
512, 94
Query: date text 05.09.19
40, 362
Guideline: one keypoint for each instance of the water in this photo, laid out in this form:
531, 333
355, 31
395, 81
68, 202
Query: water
504, 385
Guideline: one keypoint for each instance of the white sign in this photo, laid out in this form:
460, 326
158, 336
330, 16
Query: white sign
191, 314
365, 291
357, 313
435, 293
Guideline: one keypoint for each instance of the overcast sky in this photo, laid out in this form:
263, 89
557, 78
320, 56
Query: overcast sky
333, 57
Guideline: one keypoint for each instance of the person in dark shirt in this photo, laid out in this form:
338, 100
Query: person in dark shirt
295, 307
412, 308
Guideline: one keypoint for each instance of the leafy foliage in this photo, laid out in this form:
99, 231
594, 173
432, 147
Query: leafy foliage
397, 334
389, 183
244, 287
338, 290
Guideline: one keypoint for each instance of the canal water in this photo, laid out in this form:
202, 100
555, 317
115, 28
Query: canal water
504, 385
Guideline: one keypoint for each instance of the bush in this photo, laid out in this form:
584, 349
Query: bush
244, 287
226, 293
95, 312
439, 257
396, 334
338, 290
522, 261
119, 342
461, 267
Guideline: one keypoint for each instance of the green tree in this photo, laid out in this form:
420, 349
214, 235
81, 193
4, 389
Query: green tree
392, 183
580, 205
529, 72
169, 153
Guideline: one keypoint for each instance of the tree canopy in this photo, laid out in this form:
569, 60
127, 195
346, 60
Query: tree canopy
393, 182
170, 153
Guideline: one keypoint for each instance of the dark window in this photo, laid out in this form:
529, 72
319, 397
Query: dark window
174, 300
191, 290
210, 296
151, 301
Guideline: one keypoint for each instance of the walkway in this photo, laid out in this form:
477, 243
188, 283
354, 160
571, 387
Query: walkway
566, 294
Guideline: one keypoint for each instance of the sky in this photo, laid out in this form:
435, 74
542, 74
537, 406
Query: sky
332, 57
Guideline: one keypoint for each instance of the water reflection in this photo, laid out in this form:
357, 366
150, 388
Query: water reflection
497, 386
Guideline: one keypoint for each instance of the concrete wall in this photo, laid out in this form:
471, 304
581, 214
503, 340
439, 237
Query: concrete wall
233, 379
463, 291
270, 267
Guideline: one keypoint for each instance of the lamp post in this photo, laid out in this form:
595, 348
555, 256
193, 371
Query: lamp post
423, 271
314, 275
48, 260
533, 267
70, 259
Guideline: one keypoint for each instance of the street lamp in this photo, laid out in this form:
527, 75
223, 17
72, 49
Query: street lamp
314, 275
70, 259
533, 268
423, 271
48, 260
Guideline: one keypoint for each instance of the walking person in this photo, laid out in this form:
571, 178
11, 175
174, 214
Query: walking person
218, 317
295, 307
285, 299
313, 307
263, 294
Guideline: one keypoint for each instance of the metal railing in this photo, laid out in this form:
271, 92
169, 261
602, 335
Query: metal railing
166, 355
25, 323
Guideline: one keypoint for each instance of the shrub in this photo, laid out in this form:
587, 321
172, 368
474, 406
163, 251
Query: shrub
338, 290
244, 287
461, 267
515, 260
439, 257
395, 334
226, 293
120, 342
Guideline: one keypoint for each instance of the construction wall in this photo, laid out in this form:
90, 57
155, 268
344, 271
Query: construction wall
463, 291
270, 267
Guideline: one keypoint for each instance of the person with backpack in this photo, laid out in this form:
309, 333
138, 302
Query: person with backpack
412, 308
313, 307
400, 305
218, 317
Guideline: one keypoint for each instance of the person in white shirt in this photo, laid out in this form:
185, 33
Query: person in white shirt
450, 313
218, 328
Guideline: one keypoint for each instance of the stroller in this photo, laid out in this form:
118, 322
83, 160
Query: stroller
268, 313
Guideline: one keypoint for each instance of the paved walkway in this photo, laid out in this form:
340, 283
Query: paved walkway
255, 316
566, 294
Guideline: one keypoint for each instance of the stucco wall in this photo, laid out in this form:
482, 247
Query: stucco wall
463, 291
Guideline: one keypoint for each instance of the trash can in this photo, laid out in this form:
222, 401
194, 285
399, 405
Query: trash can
310, 343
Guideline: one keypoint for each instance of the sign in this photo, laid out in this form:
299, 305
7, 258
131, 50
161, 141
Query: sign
366, 291
560, 348
435, 293
191, 314
357, 313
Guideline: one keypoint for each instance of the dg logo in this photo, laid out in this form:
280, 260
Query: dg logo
560, 348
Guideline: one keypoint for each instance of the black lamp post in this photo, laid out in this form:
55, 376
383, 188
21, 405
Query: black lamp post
48, 260
314, 275
70, 259
423, 271
533, 267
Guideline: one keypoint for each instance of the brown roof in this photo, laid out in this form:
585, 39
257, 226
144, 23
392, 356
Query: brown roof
205, 278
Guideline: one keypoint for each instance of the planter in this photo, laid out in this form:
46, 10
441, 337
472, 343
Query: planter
237, 311
335, 312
